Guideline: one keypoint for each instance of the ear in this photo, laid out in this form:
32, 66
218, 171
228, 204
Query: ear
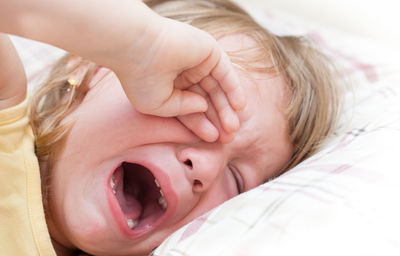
93, 75
99, 73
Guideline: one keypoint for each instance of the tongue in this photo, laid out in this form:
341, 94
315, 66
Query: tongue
130, 206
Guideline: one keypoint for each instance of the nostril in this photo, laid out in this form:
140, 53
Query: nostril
197, 185
188, 162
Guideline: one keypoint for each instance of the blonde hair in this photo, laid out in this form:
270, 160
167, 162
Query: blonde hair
311, 111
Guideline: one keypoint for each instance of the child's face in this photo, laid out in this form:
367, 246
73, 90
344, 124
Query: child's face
194, 176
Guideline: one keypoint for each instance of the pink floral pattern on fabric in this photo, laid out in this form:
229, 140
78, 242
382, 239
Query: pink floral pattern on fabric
194, 226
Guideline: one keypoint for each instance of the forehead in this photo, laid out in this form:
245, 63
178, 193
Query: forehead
263, 140
268, 81
236, 42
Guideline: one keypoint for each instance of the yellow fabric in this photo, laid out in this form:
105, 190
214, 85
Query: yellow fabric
23, 229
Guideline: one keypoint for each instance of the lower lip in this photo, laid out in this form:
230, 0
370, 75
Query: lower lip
119, 216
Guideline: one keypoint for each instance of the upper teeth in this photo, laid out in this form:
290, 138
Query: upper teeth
161, 201
112, 183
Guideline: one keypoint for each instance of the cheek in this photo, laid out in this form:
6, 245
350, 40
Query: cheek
106, 123
223, 189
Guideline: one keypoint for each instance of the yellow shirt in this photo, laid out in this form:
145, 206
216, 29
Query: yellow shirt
23, 229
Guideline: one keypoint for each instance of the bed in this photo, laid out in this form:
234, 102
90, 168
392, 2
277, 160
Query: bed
342, 201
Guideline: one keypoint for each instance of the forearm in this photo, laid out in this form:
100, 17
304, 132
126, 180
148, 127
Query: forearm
12, 75
95, 29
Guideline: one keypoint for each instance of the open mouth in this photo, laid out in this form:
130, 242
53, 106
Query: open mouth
139, 196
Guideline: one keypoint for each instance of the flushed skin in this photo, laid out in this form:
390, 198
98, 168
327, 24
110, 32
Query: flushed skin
108, 131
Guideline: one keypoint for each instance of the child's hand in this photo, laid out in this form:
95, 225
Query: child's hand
163, 78
157, 60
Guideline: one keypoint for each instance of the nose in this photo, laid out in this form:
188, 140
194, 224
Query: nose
203, 165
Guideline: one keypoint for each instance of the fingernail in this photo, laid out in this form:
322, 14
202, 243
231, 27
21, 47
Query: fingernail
211, 133
225, 138
240, 100
231, 122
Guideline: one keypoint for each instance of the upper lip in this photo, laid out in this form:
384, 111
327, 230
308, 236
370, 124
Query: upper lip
165, 186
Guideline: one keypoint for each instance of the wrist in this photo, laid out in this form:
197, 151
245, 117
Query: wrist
145, 27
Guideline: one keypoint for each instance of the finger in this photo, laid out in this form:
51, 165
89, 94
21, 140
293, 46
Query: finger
229, 82
180, 102
212, 115
200, 125
220, 67
227, 116
195, 74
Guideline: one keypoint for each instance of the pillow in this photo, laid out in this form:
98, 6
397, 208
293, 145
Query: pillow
37, 58
344, 199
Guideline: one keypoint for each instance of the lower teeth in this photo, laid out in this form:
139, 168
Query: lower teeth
132, 223
162, 202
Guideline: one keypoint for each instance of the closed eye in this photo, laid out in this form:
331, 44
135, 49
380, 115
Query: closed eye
238, 179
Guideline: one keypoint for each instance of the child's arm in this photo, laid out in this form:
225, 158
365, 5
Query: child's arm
156, 59
12, 75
